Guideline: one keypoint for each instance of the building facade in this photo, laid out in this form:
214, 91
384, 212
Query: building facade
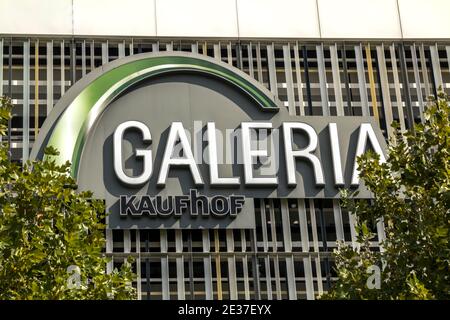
318, 57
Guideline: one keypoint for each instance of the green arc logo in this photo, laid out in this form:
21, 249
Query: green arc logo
74, 124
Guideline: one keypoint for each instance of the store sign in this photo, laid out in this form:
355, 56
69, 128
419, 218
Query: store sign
178, 140
192, 204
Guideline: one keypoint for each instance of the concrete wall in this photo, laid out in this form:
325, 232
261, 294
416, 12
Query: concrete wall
247, 19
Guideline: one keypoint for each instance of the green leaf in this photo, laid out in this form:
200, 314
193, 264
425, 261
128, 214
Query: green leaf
412, 200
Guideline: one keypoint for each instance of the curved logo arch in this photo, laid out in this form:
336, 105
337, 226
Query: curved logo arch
92, 96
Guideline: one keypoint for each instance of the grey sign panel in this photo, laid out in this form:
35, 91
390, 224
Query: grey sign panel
198, 101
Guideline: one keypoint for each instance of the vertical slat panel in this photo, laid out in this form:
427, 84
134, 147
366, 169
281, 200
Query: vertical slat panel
164, 265
266, 249
417, 80
338, 220
322, 80
194, 48
447, 49
288, 248
109, 249
131, 46
423, 65
49, 76
92, 55
312, 213
127, 242
259, 62
63, 68
362, 81
386, 96
436, 66
26, 101
336, 80
180, 265
272, 70
229, 54
346, 80
73, 62
245, 265
147, 269
299, 80
255, 264
250, 60
232, 282
308, 82
105, 52
324, 243
275, 249
285, 223
191, 267
289, 80
398, 94
238, 49
138, 265
207, 265
218, 266
308, 277
406, 86
303, 223
36, 89
121, 49
217, 51
83, 58
373, 93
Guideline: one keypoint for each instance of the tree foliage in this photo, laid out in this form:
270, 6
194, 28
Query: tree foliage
51, 236
411, 197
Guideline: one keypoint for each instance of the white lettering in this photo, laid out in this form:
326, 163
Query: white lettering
365, 132
145, 154
306, 153
249, 154
177, 133
213, 163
